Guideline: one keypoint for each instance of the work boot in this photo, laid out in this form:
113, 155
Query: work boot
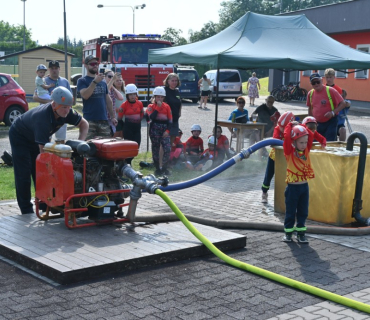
288, 237
301, 237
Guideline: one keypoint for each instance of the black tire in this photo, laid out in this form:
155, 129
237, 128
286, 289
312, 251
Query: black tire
12, 113
195, 100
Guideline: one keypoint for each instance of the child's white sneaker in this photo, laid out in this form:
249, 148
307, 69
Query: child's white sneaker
264, 197
207, 165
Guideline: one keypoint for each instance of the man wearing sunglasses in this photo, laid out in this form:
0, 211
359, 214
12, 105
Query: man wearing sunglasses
96, 100
324, 103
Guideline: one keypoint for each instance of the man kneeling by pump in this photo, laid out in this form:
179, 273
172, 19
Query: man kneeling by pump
31, 131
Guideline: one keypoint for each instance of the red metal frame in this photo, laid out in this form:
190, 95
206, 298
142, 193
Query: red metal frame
70, 213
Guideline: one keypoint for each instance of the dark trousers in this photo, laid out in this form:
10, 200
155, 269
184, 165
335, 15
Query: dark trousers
296, 203
24, 161
156, 137
269, 174
132, 131
328, 129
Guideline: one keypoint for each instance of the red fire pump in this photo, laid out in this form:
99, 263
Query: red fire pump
81, 181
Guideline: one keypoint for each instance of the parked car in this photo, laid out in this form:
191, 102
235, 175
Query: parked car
13, 101
189, 83
230, 84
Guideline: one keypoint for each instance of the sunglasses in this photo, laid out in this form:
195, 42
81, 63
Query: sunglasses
315, 82
93, 64
110, 77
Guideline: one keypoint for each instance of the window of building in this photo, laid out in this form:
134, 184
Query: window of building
362, 74
341, 74
321, 73
307, 73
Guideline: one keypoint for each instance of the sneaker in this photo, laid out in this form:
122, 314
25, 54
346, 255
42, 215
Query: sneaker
287, 237
200, 107
301, 238
189, 165
264, 197
207, 165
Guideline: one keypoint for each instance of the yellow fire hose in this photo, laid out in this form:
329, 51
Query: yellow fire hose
261, 272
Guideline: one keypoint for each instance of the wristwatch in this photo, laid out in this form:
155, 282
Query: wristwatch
94, 82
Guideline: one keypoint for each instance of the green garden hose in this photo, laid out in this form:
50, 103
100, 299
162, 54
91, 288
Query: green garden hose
261, 272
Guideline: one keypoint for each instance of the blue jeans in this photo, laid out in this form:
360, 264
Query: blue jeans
328, 129
269, 174
296, 203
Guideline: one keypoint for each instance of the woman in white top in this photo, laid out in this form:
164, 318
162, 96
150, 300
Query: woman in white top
204, 83
119, 85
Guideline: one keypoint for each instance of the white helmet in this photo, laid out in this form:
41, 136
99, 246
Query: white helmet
159, 91
211, 140
131, 88
196, 127
62, 95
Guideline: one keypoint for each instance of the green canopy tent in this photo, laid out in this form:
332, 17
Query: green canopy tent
262, 41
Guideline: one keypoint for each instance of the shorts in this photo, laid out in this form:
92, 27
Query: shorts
174, 129
340, 126
205, 93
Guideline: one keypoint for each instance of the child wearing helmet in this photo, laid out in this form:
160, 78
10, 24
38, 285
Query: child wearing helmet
297, 145
194, 145
177, 150
311, 124
278, 133
160, 116
131, 113
206, 158
223, 146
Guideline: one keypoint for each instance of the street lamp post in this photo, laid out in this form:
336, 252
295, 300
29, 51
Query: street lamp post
141, 6
65, 41
24, 24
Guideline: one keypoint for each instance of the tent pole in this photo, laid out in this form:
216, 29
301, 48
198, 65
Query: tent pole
216, 108
147, 104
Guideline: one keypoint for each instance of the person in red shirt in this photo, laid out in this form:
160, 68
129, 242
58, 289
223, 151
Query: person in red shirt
177, 149
223, 146
297, 146
330, 77
131, 113
205, 161
160, 116
194, 145
311, 123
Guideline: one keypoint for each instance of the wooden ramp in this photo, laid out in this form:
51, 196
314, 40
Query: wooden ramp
68, 256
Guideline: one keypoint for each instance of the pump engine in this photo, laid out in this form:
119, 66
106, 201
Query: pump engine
83, 179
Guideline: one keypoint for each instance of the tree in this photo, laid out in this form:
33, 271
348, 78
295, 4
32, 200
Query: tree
174, 35
11, 38
208, 30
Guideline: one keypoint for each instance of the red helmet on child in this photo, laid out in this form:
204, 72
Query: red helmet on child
285, 118
298, 131
309, 119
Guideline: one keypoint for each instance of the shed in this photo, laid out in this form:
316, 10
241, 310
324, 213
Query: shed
28, 60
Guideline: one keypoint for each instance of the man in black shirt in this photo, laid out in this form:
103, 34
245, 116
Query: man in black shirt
31, 131
264, 112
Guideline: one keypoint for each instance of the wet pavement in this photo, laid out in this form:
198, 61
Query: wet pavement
207, 288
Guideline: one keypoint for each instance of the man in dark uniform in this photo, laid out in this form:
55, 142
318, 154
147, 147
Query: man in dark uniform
31, 131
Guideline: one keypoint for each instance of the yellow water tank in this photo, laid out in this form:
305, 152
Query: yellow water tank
333, 188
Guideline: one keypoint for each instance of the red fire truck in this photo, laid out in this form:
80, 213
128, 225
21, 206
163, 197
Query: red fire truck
129, 56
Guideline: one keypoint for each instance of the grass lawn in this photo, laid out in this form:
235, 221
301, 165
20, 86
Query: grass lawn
264, 82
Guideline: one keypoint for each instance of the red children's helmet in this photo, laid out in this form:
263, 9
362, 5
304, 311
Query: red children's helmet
298, 131
309, 119
285, 118
275, 117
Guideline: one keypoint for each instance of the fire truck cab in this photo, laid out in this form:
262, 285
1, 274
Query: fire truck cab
128, 55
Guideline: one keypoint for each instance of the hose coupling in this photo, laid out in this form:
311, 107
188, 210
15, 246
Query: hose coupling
246, 153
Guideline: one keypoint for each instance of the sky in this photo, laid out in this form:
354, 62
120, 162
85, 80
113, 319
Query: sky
86, 21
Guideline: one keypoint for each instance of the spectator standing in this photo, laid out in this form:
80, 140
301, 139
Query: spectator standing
330, 77
96, 100
119, 84
110, 77
31, 131
324, 103
132, 113
160, 115
173, 99
204, 83
58, 81
341, 132
252, 86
